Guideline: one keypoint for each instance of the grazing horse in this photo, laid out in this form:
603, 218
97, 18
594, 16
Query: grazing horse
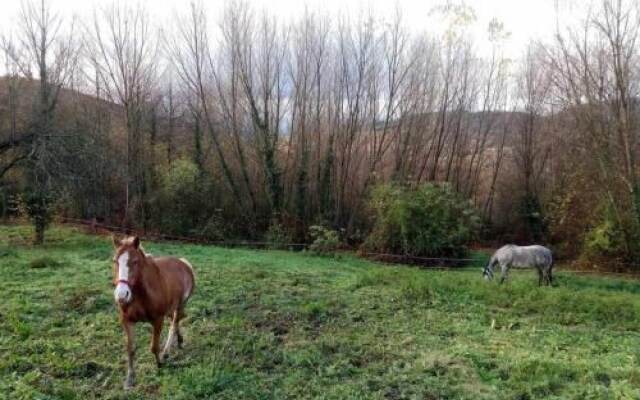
148, 289
512, 256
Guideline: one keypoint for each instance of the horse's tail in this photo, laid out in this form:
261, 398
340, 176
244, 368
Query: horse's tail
193, 276
184, 260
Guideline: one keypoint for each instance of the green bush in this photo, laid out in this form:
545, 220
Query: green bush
179, 196
605, 239
277, 236
431, 220
325, 240
599, 240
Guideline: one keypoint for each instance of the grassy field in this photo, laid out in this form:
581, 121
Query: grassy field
271, 324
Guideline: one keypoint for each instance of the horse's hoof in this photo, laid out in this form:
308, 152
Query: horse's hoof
128, 385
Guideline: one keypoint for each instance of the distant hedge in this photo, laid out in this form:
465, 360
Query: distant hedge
430, 220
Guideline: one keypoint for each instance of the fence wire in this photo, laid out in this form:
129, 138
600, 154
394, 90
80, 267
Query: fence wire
445, 263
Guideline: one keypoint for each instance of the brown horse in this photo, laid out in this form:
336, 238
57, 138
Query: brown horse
148, 289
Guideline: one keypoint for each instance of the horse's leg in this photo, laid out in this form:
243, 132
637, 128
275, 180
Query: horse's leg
180, 338
131, 352
505, 273
173, 330
540, 276
179, 318
155, 339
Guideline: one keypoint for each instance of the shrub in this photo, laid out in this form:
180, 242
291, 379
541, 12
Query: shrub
599, 240
530, 210
180, 177
179, 195
18, 207
277, 236
325, 240
215, 228
431, 220
605, 239
583, 224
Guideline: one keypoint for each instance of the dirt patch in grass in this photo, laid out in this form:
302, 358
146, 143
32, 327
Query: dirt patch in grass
86, 301
279, 325
45, 262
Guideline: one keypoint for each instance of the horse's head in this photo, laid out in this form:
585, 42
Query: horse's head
487, 273
127, 264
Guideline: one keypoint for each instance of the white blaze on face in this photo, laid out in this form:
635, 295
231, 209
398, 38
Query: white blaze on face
122, 293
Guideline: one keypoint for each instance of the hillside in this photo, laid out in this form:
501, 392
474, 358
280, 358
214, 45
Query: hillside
25, 91
271, 324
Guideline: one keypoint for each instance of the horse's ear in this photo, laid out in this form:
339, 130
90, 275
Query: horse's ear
136, 242
116, 241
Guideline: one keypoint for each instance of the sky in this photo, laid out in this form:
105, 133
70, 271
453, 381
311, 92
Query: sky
524, 19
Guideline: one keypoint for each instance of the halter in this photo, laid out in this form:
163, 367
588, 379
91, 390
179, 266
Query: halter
124, 281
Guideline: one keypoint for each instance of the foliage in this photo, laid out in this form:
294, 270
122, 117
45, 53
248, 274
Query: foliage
325, 240
583, 226
178, 194
603, 239
530, 210
325, 195
38, 200
568, 215
431, 220
179, 178
309, 115
301, 192
277, 236
18, 207
215, 229
270, 324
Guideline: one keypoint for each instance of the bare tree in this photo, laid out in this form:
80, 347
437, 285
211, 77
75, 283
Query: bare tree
44, 48
493, 98
214, 87
124, 54
14, 138
260, 53
595, 69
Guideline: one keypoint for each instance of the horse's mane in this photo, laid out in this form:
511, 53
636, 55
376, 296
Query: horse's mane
130, 239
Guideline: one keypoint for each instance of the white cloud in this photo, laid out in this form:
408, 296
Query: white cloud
525, 19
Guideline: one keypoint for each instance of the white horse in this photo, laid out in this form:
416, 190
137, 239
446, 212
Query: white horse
512, 256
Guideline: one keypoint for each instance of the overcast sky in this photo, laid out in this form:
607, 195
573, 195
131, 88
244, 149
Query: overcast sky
524, 19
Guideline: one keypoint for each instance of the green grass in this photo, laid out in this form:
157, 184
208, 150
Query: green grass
273, 324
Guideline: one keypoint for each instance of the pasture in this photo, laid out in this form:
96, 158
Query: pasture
276, 325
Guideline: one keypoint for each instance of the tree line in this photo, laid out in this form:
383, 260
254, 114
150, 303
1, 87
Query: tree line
242, 125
